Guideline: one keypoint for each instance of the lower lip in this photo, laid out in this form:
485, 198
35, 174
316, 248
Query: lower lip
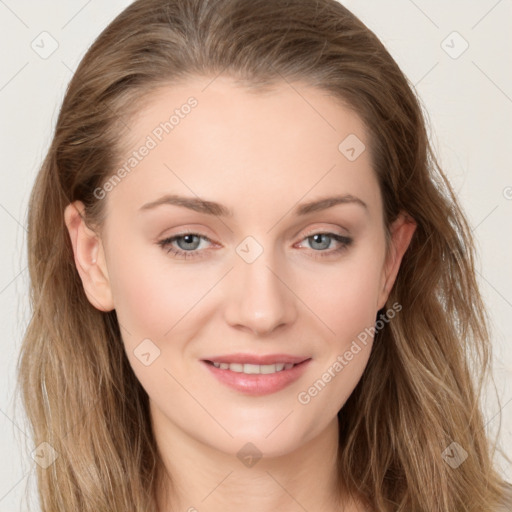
258, 384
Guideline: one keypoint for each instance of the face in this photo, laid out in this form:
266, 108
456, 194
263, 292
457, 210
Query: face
288, 266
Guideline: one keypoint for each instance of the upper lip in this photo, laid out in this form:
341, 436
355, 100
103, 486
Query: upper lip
256, 359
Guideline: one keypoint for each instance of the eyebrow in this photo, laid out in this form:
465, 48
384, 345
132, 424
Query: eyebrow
212, 208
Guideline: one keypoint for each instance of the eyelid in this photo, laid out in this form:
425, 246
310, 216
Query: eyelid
166, 245
310, 232
344, 240
317, 231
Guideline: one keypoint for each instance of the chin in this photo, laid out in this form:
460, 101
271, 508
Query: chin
281, 438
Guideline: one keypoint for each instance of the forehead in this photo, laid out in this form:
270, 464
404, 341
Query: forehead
215, 139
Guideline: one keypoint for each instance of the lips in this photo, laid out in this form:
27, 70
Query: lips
256, 359
256, 374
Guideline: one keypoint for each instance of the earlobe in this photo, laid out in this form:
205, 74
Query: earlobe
402, 231
89, 258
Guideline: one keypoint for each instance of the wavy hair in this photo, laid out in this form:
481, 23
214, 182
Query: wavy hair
421, 389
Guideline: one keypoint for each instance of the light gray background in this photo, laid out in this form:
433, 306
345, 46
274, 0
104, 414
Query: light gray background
468, 100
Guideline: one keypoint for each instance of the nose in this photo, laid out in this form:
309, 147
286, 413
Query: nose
259, 298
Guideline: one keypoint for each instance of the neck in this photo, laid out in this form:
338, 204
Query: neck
198, 477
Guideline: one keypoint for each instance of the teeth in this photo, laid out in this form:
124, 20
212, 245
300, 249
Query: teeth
254, 368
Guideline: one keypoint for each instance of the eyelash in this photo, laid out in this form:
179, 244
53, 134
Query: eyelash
166, 244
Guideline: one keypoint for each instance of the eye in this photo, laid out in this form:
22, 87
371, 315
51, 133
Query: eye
189, 244
322, 240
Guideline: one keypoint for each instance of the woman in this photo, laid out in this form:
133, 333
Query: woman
322, 343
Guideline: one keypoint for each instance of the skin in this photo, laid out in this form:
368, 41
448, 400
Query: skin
261, 155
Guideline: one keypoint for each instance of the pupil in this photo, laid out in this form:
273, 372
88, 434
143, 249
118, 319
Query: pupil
317, 239
187, 240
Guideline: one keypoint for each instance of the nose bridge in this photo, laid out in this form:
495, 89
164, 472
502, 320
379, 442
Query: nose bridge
258, 296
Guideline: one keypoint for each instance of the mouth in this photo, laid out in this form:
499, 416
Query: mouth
256, 379
251, 369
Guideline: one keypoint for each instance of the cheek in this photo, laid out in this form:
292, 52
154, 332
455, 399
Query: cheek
345, 301
154, 306
150, 296
345, 296
346, 380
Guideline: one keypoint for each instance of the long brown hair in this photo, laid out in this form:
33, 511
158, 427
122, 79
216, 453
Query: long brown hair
422, 386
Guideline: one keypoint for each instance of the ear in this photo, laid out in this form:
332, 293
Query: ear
89, 258
401, 232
